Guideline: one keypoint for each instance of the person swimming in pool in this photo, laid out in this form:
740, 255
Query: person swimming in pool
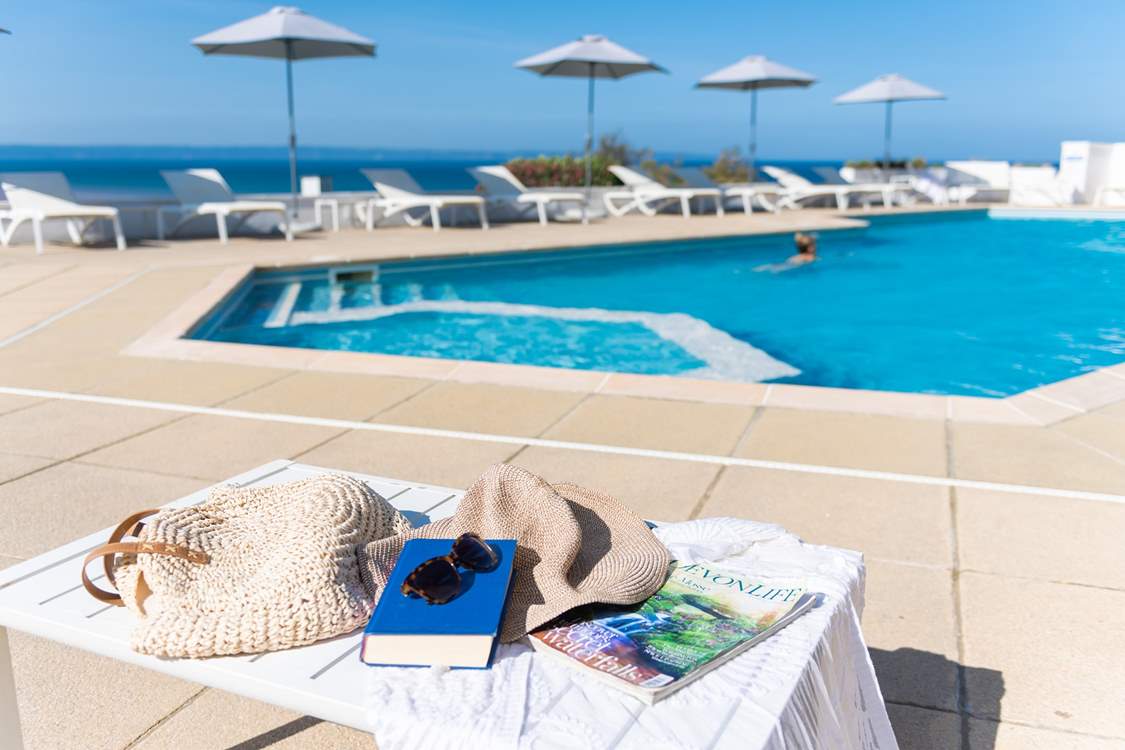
806, 249
806, 253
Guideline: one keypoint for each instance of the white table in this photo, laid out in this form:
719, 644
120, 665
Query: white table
333, 205
44, 597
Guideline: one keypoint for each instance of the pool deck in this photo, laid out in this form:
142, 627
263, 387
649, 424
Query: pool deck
992, 532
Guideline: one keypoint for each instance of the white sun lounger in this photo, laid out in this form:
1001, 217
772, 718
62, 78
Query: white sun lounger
1039, 186
399, 193
648, 196
39, 197
975, 179
820, 684
797, 189
961, 181
765, 193
499, 182
204, 192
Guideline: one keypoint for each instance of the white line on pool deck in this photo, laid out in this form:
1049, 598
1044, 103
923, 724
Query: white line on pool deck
620, 450
72, 309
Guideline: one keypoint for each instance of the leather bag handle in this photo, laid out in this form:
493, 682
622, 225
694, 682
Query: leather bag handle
108, 553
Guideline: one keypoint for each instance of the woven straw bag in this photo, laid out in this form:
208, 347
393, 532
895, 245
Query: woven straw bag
249, 570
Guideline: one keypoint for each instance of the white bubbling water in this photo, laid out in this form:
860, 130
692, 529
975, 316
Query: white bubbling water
727, 358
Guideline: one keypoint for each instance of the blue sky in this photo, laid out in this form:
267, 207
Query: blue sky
1020, 76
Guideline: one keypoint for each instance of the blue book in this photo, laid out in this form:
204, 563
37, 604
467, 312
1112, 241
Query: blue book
409, 631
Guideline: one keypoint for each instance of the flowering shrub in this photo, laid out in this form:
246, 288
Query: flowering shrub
570, 171
562, 171
917, 162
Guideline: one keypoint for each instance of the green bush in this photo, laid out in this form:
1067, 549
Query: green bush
729, 167
665, 174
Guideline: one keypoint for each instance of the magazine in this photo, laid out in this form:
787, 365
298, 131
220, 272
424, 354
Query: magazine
701, 617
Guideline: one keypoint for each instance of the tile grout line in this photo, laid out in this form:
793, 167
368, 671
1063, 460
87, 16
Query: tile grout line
49, 320
79, 460
562, 417
923, 706
585, 397
53, 463
21, 408
755, 417
701, 503
284, 376
164, 719
321, 444
405, 399
513, 456
961, 696
32, 283
920, 479
75, 458
962, 687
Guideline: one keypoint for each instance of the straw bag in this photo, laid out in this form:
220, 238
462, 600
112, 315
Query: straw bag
249, 570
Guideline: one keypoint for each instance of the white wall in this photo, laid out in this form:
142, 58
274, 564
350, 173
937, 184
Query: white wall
1090, 168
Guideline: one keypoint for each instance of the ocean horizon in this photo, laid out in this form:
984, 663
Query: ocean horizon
134, 171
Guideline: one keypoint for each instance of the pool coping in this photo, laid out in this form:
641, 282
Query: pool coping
1039, 406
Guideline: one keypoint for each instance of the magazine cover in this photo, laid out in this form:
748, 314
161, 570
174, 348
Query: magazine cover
702, 616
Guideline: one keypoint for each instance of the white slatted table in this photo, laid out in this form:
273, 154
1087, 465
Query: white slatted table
44, 597
830, 679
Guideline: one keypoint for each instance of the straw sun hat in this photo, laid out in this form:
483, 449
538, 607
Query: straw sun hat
266, 568
575, 546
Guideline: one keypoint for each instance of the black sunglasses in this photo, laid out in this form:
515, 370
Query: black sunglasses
437, 580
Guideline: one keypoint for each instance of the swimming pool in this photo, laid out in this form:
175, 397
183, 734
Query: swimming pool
963, 303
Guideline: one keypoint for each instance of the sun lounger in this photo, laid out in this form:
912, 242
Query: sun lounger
499, 183
39, 197
765, 193
966, 180
648, 196
797, 190
821, 685
1110, 195
1039, 186
204, 192
399, 194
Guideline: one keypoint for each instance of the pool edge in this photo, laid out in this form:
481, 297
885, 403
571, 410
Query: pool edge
1044, 405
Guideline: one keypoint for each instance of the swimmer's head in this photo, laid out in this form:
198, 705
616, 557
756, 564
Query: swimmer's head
806, 243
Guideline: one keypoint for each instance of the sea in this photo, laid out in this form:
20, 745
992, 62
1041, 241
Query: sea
133, 172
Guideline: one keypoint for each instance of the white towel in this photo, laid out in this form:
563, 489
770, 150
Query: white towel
811, 685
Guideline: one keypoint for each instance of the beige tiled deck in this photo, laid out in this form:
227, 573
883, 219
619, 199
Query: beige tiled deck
993, 615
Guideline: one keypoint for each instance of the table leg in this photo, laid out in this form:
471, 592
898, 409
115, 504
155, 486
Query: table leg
10, 735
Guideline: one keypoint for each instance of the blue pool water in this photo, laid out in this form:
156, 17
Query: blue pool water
958, 304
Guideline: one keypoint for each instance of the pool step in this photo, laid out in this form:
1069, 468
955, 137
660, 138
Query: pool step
279, 316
